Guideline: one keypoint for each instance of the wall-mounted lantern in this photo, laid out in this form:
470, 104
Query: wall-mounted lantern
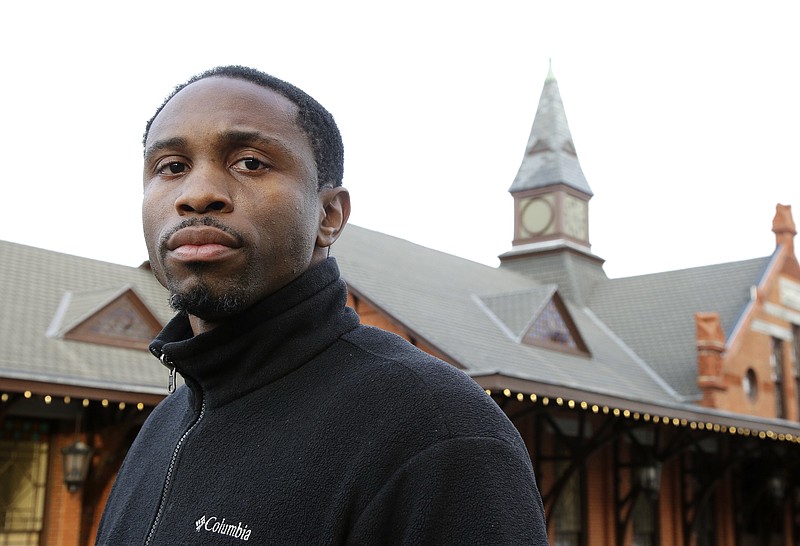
776, 486
77, 457
648, 478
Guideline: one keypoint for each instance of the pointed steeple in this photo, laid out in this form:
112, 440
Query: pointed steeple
550, 157
551, 207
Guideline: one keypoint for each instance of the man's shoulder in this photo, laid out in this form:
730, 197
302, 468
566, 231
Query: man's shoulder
420, 382
388, 353
383, 344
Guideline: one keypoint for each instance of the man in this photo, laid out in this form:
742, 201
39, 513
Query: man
297, 425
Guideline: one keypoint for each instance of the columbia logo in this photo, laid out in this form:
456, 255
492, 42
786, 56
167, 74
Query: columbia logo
214, 525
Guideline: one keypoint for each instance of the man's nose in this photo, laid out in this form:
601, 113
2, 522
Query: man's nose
202, 191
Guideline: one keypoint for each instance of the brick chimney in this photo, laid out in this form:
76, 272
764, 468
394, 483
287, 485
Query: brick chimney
783, 227
784, 230
710, 342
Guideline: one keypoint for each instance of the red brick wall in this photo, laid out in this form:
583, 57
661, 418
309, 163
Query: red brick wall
753, 350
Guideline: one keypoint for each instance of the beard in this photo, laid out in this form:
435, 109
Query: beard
210, 297
202, 303
216, 291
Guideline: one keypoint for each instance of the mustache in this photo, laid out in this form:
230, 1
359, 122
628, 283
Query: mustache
208, 221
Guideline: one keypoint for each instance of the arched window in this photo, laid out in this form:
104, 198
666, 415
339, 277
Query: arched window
23, 475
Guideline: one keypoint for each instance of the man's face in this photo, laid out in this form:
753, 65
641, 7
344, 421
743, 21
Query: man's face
231, 207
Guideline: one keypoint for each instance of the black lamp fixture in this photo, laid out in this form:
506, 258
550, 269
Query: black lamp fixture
776, 486
648, 477
77, 457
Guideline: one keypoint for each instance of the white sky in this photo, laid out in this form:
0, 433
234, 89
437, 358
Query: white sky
685, 115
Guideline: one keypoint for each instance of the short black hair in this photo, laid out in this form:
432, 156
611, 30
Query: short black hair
315, 121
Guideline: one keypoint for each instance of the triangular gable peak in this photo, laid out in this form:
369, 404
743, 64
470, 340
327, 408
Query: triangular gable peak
117, 318
554, 329
538, 318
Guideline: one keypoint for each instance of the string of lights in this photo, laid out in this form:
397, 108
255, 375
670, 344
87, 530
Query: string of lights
648, 417
5, 397
48, 399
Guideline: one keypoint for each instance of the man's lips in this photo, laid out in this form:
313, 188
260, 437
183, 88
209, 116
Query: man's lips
201, 243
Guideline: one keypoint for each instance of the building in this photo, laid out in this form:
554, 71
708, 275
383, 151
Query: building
74, 367
658, 409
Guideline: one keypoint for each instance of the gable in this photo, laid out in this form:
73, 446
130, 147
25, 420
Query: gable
118, 318
537, 317
554, 329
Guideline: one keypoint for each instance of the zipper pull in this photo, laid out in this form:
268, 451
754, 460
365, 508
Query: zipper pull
172, 381
171, 384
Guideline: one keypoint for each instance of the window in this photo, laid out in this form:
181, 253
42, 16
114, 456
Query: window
796, 363
537, 317
705, 521
554, 330
23, 474
567, 514
750, 384
644, 522
761, 520
776, 362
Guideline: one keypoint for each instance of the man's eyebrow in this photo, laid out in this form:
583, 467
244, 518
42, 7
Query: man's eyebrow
226, 138
175, 142
252, 137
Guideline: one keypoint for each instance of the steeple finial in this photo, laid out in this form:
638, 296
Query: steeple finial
550, 75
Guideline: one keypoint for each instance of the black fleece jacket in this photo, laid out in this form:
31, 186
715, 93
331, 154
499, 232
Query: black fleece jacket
298, 425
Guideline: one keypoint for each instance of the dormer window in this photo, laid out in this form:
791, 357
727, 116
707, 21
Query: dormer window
539, 318
549, 327
554, 329
116, 317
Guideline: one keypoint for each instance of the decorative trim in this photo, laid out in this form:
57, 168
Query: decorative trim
782, 313
770, 329
790, 294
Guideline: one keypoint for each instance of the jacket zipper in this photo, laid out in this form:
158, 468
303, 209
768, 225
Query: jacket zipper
170, 471
172, 380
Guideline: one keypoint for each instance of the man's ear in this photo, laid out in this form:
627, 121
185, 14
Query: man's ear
334, 212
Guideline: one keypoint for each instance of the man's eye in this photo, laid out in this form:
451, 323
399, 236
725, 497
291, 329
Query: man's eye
173, 167
250, 164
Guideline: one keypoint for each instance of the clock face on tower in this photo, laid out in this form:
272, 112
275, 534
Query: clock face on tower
576, 218
536, 216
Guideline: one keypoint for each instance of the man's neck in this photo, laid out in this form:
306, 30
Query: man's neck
201, 326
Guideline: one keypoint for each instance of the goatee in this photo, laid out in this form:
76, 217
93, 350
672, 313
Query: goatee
200, 302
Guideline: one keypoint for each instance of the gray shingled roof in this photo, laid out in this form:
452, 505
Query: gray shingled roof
550, 156
440, 298
33, 282
654, 313
470, 312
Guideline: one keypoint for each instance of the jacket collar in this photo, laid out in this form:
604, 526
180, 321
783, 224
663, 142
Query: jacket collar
263, 343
